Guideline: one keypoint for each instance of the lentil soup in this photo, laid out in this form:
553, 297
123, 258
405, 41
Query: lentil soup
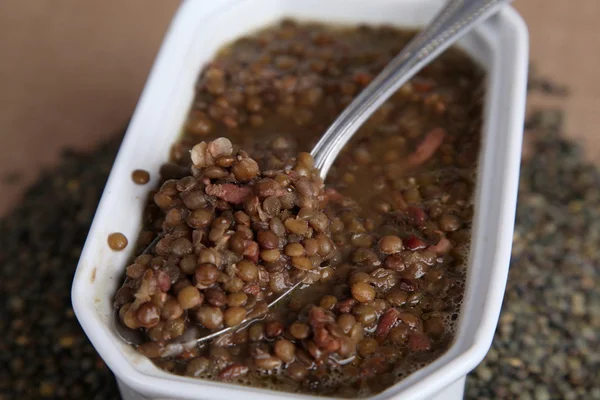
243, 215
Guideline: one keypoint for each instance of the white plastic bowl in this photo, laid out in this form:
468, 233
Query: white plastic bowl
197, 31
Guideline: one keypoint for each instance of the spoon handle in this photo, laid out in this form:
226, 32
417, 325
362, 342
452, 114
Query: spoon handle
454, 20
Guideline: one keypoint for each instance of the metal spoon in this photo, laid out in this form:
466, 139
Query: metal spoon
454, 20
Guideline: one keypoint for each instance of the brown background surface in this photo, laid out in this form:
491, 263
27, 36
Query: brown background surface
71, 72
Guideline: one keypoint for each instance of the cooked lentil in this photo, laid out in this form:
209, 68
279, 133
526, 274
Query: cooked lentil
140, 176
382, 247
117, 241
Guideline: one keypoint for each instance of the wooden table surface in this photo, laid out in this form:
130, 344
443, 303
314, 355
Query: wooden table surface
72, 70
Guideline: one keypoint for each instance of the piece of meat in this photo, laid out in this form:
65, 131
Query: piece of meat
186, 355
229, 192
416, 215
325, 341
251, 288
386, 323
418, 342
345, 306
163, 281
408, 285
442, 247
318, 317
414, 243
233, 371
427, 148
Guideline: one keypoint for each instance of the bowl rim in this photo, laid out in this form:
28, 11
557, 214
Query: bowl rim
454, 369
